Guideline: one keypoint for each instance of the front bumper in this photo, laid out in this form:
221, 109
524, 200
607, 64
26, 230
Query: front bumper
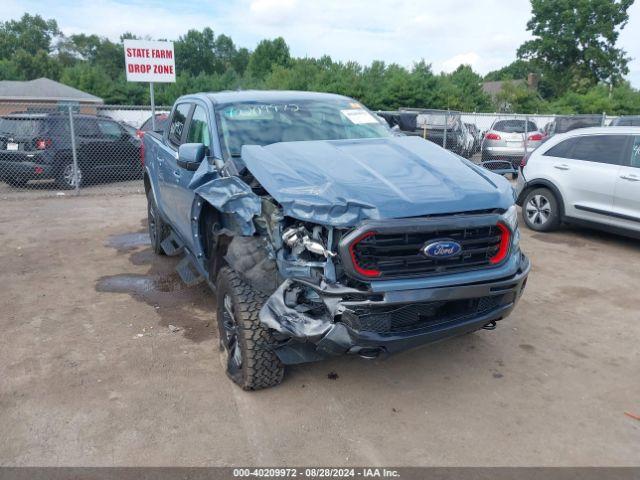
307, 334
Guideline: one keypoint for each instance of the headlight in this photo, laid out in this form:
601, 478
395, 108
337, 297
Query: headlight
510, 218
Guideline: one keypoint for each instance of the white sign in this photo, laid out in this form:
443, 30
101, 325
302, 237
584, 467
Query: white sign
147, 61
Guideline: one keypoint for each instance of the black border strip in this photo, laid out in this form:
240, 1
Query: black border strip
608, 214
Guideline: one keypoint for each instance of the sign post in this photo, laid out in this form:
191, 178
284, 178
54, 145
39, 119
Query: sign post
149, 61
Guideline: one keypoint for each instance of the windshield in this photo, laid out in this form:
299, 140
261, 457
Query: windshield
20, 127
258, 123
514, 126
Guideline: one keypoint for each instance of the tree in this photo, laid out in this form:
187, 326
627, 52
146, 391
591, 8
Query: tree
195, 52
268, 54
516, 70
574, 42
31, 34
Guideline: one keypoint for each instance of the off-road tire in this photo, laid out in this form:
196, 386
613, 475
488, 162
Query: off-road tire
261, 367
554, 219
158, 230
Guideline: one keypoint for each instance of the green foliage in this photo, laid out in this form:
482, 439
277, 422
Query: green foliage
516, 70
574, 42
267, 55
30, 34
33, 47
517, 97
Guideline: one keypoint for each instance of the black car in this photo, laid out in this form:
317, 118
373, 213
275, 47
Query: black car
626, 121
565, 124
37, 146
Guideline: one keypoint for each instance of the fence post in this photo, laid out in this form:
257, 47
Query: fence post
604, 119
444, 137
72, 132
526, 134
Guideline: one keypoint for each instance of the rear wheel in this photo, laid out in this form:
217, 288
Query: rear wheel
158, 230
68, 179
247, 345
540, 210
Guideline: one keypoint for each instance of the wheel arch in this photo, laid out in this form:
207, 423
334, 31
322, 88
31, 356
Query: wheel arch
543, 183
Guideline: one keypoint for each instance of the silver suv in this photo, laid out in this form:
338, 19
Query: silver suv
588, 176
503, 146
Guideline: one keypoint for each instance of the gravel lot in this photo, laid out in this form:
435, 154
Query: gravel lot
90, 373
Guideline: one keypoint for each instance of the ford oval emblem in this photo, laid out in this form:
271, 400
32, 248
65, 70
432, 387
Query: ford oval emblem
442, 249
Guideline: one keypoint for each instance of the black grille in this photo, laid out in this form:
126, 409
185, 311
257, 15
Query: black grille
396, 319
400, 255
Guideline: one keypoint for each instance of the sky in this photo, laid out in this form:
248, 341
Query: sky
446, 33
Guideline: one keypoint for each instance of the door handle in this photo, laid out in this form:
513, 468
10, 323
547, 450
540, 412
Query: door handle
561, 167
631, 178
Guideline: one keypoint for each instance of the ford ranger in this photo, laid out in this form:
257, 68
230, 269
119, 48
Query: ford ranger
321, 233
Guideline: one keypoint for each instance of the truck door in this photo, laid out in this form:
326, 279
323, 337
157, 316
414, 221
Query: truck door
198, 131
168, 170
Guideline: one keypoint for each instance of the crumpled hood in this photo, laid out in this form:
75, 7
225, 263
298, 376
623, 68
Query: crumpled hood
342, 182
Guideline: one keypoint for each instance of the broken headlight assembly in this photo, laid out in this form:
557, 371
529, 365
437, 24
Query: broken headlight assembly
300, 239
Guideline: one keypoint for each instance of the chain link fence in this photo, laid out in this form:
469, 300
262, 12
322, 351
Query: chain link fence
62, 149
67, 149
496, 141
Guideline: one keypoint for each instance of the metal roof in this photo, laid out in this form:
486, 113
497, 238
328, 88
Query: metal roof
45, 90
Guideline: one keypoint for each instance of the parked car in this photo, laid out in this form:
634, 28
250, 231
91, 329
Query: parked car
162, 119
444, 128
503, 145
626, 121
322, 233
564, 124
477, 137
589, 176
35, 146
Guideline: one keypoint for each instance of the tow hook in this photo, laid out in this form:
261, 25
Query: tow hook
490, 326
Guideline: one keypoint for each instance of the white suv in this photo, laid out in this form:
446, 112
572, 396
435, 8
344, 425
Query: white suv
589, 176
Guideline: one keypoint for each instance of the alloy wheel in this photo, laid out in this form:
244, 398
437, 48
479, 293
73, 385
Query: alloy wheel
69, 177
538, 210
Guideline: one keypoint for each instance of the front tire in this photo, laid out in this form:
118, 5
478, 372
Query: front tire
158, 230
247, 344
541, 210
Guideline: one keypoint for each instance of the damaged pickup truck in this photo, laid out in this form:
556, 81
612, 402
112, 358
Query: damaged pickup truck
322, 234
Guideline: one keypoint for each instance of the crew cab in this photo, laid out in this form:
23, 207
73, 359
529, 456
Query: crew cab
322, 233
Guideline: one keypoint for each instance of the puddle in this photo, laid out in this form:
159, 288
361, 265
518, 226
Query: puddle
128, 241
139, 284
190, 308
558, 239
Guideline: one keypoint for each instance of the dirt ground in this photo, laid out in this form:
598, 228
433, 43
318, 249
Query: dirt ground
90, 373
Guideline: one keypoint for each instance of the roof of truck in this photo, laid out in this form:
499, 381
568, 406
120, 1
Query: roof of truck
233, 96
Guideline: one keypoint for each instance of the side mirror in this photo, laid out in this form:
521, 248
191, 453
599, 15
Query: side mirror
190, 155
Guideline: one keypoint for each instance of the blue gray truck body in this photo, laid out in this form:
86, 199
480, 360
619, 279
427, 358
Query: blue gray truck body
366, 246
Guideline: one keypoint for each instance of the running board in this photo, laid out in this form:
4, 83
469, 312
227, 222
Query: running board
188, 273
172, 246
